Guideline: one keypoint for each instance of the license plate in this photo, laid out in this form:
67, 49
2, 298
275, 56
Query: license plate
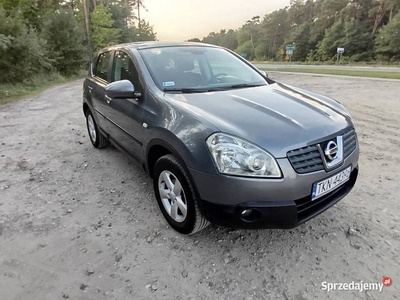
325, 186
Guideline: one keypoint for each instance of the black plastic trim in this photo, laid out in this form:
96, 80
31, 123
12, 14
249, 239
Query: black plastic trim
276, 214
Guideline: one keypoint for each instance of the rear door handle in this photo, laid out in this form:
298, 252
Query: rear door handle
108, 99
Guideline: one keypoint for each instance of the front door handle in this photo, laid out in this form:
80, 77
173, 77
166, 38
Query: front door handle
108, 99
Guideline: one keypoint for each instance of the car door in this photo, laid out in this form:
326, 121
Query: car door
126, 114
97, 84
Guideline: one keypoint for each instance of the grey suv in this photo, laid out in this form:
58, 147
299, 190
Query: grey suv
222, 142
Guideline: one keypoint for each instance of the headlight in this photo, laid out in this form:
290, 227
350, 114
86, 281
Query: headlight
235, 156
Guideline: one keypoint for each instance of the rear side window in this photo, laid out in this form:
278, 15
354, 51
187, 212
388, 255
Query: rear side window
103, 62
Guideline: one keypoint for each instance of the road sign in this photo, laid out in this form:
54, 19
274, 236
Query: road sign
289, 52
243, 54
340, 51
282, 52
290, 47
287, 57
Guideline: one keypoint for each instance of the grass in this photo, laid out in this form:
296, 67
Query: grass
386, 64
359, 73
11, 92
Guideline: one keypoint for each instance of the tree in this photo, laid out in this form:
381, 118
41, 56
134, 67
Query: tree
65, 41
195, 40
224, 38
388, 39
273, 29
332, 40
26, 8
87, 27
357, 40
101, 28
248, 35
5, 42
300, 36
121, 16
144, 32
27, 55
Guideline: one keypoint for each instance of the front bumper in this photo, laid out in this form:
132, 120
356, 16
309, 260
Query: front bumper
275, 214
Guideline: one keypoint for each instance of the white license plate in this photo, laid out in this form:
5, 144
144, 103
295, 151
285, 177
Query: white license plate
325, 186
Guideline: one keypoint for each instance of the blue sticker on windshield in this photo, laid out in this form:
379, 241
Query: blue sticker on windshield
168, 83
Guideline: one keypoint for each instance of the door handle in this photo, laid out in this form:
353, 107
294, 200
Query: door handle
90, 87
108, 99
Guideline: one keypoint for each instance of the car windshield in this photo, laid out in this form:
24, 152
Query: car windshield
196, 69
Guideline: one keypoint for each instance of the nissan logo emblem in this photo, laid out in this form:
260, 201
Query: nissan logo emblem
331, 150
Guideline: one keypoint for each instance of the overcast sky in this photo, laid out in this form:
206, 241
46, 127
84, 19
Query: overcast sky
179, 20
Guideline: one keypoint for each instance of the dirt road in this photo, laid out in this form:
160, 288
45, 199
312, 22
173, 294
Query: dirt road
81, 223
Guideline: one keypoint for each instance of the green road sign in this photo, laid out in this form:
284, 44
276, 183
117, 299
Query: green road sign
243, 54
290, 47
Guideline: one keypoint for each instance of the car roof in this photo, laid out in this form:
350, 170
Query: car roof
156, 44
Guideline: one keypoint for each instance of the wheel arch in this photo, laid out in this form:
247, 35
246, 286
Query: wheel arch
156, 149
85, 108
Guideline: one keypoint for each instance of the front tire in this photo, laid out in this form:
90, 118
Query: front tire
96, 137
176, 196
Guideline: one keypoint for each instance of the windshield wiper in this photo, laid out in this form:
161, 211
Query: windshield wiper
243, 85
210, 89
188, 90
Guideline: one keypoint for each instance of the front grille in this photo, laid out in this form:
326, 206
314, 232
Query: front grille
349, 143
306, 159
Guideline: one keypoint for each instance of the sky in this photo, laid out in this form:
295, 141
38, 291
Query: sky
180, 20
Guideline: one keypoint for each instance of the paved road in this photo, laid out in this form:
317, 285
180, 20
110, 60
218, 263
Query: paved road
352, 68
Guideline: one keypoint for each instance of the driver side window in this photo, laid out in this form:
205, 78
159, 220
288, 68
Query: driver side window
101, 69
124, 68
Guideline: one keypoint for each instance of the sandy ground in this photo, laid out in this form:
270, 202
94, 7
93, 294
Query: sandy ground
81, 223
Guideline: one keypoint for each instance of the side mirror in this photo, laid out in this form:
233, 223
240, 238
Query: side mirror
121, 89
263, 73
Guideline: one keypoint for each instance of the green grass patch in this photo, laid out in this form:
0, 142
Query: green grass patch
301, 64
359, 73
15, 91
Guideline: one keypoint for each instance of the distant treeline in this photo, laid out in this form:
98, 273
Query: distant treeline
369, 30
41, 36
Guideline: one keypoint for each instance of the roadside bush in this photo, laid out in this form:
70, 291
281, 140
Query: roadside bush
26, 55
65, 41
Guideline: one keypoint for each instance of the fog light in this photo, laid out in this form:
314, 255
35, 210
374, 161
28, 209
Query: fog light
246, 213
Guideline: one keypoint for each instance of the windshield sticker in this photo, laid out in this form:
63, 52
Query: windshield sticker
168, 83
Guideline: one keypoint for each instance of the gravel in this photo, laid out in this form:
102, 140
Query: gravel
82, 223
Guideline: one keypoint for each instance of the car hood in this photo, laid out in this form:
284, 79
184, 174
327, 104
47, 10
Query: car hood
276, 117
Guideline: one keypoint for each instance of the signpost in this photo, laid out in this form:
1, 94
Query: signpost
289, 52
290, 47
340, 51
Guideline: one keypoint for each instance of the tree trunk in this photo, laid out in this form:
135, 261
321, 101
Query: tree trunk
138, 12
379, 16
87, 30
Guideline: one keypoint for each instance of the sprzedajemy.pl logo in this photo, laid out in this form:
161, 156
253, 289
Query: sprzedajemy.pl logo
356, 286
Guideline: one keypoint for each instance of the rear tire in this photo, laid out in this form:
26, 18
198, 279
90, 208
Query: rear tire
176, 196
96, 137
